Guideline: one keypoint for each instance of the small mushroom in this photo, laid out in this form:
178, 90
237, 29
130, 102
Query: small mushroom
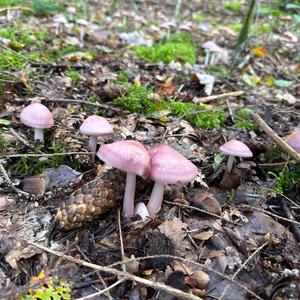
211, 48
141, 210
82, 24
168, 166
294, 141
95, 126
234, 148
131, 157
37, 116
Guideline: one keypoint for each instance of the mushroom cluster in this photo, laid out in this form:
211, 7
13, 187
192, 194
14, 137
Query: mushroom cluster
163, 164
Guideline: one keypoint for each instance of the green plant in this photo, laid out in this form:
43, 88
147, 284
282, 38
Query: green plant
243, 119
286, 179
177, 48
198, 115
136, 99
27, 165
246, 26
74, 75
47, 288
10, 61
234, 6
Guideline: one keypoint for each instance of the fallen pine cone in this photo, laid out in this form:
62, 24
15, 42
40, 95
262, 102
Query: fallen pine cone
92, 199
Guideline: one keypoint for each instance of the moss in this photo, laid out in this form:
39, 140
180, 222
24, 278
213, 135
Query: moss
74, 75
244, 120
136, 100
234, 6
176, 48
10, 61
197, 115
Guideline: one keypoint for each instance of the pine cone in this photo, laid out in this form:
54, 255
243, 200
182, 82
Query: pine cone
72, 142
92, 199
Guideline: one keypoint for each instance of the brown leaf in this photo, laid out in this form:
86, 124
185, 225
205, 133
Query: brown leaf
175, 230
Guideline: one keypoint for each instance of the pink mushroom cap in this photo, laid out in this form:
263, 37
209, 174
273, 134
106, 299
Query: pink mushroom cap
96, 126
128, 156
236, 148
37, 115
294, 141
212, 46
170, 167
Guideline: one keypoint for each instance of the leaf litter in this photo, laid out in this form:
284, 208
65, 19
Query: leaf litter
99, 61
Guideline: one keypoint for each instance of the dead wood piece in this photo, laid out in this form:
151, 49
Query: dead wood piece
216, 97
269, 131
92, 200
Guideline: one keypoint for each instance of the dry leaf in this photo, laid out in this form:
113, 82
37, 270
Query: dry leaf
259, 51
175, 230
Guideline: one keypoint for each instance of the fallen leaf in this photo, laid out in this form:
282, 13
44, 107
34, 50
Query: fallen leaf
175, 230
259, 51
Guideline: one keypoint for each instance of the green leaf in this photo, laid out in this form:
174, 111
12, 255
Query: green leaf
297, 18
4, 122
292, 6
247, 79
283, 83
218, 159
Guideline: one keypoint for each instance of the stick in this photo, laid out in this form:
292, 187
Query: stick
278, 140
187, 261
121, 240
101, 291
120, 274
44, 154
215, 97
242, 266
105, 106
9, 182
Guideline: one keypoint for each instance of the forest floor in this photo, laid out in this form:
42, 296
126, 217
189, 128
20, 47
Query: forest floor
141, 65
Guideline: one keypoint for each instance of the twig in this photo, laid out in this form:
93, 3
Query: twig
121, 240
184, 260
269, 213
242, 266
102, 291
9, 182
18, 136
269, 131
215, 97
55, 66
200, 210
44, 154
295, 229
120, 274
100, 105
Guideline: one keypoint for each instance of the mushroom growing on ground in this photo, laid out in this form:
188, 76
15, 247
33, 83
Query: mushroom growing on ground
168, 166
234, 148
95, 126
294, 141
37, 116
131, 157
213, 53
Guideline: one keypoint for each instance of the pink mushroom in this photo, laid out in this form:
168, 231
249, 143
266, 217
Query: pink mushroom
37, 116
95, 126
131, 157
294, 141
234, 148
168, 166
211, 48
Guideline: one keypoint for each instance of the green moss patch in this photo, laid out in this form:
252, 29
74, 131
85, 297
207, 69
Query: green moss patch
177, 48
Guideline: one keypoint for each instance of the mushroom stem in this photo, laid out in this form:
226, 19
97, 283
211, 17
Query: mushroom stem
128, 202
229, 163
93, 144
38, 134
156, 198
206, 58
